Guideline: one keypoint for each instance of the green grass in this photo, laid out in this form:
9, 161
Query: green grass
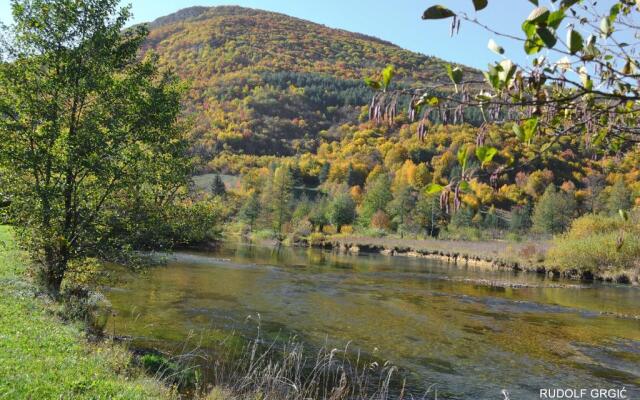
42, 358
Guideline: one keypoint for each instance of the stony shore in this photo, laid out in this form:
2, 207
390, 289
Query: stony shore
488, 255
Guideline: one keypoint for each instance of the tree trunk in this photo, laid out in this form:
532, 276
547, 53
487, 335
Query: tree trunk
56, 262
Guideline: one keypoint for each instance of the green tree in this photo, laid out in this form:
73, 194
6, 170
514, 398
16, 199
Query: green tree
84, 123
318, 215
218, 188
342, 211
462, 218
520, 220
377, 197
619, 198
428, 213
354, 177
250, 210
404, 201
492, 220
324, 173
278, 198
554, 211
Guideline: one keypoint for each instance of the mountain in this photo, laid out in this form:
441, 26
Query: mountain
268, 84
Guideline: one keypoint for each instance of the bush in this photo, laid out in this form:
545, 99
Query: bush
316, 239
380, 220
597, 253
598, 245
170, 371
92, 308
373, 232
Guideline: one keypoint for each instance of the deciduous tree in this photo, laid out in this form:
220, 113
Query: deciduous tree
83, 122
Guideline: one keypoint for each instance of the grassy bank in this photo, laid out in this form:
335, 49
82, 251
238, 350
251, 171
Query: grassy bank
42, 358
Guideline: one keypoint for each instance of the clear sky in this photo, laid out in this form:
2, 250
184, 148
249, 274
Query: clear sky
397, 21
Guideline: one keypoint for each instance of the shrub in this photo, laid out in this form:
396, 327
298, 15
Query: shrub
380, 220
303, 229
316, 239
453, 232
597, 244
92, 308
597, 252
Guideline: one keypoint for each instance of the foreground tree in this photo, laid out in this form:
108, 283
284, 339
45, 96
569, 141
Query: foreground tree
84, 125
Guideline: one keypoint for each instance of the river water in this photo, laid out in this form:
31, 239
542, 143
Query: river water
471, 332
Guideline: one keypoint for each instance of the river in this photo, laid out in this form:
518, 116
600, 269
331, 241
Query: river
470, 332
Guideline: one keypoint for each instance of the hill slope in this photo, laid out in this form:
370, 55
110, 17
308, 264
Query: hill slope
266, 83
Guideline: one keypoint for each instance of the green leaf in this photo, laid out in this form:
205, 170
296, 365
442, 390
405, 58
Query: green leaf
464, 186
555, 18
533, 46
545, 147
519, 132
372, 83
480, 4
568, 3
462, 157
574, 41
613, 13
493, 46
485, 154
599, 137
534, 2
529, 129
548, 37
433, 101
387, 75
434, 188
539, 15
437, 12
455, 74
529, 28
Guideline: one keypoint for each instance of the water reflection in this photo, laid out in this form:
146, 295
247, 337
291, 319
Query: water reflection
440, 322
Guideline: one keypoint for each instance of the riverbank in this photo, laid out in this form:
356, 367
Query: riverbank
43, 358
528, 256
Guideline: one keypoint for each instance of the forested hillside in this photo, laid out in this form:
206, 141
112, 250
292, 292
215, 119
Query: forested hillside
281, 108
268, 84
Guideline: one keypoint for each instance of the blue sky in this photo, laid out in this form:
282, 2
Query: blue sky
397, 21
